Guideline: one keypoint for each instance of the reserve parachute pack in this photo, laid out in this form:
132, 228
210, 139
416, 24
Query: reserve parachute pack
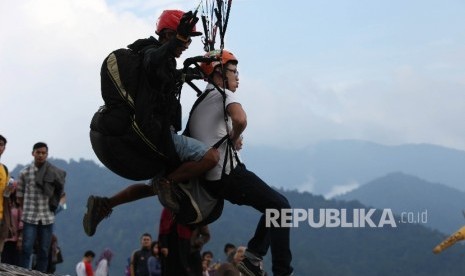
116, 139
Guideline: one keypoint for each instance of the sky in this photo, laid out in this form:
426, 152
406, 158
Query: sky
387, 71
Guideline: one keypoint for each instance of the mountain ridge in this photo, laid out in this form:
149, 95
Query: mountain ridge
401, 250
343, 163
409, 194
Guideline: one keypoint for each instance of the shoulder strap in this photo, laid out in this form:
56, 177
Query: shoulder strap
187, 131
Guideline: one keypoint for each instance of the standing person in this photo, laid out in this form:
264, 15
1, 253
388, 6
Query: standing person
238, 255
103, 263
139, 258
4, 201
127, 268
229, 248
154, 262
200, 236
180, 246
207, 260
13, 243
157, 107
231, 180
84, 267
38, 186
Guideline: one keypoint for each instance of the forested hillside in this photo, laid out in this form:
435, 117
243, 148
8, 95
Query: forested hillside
401, 250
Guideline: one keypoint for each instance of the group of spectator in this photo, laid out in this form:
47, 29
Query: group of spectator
84, 267
27, 238
28, 207
176, 256
234, 255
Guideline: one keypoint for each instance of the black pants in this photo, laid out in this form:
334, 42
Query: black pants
181, 261
243, 187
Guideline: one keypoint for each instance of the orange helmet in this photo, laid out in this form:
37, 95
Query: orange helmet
224, 57
169, 19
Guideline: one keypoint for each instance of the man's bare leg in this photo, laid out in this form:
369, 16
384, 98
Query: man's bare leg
99, 208
131, 193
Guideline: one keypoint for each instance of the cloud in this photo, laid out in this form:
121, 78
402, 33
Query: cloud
377, 79
342, 189
324, 83
407, 106
308, 185
50, 58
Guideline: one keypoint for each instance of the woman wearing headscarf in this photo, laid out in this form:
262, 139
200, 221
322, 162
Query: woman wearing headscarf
103, 263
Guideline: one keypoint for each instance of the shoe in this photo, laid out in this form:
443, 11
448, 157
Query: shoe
98, 208
247, 268
165, 190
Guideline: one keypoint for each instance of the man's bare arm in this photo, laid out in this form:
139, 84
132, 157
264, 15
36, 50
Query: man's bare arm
239, 120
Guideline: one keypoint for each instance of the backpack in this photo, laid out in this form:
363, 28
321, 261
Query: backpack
116, 138
198, 206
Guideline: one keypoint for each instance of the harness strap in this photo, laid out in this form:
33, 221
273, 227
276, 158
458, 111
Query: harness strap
147, 141
187, 131
220, 142
113, 73
229, 147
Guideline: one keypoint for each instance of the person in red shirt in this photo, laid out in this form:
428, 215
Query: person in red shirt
84, 267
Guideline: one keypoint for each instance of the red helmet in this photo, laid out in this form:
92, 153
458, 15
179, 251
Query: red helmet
169, 19
224, 56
